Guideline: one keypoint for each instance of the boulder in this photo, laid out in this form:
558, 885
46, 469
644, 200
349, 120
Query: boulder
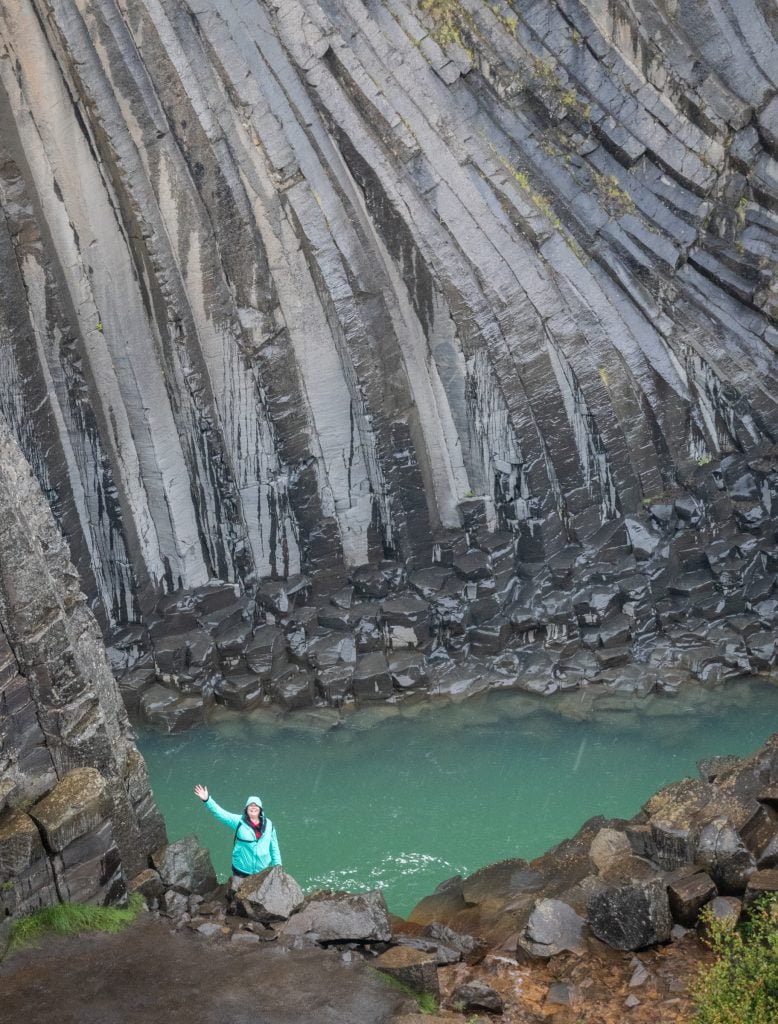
265, 652
405, 621
608, 847
334, 683
170, 712
147, 883
241, 692
724, 855
185, 866
408, 670
371, 679
342, 917
271, 895
412, 967
726, 909
688, 895
474, 996
294, 687
629, 908
471, 949
553, 926
761, 883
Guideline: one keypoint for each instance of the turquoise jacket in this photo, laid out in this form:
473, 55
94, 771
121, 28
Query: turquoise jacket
249, 854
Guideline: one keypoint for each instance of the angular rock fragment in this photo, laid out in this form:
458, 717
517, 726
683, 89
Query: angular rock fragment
185, 866
342, 917
271, 895
412, 967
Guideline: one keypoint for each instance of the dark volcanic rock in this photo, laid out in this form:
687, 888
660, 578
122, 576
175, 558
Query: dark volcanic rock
631, 913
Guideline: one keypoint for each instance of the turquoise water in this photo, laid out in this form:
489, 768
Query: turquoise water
403, 798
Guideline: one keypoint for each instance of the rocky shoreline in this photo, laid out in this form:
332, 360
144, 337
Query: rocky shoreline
620, 900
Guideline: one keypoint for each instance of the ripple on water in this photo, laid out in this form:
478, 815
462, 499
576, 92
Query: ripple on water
404, 796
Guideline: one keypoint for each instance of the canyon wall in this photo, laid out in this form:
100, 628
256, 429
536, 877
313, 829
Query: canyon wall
77, 817
293, 287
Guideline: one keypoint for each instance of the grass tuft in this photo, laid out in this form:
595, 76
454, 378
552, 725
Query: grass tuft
71, 919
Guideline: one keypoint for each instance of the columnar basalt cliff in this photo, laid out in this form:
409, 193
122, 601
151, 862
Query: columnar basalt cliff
77, 817
482, 296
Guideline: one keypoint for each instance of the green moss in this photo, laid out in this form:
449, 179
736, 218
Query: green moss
617, 200
73, 918
451, 20
426, 1002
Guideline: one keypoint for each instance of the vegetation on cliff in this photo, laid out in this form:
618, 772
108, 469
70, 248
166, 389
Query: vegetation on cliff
72, 919
741, 985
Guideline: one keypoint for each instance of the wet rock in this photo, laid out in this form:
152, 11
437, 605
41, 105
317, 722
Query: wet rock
341, 917
371, 679
411, 967
271, 895
475, 996
241, 692
170, 712
408, 669
294, 687
406, 621
185, 867
334, 684
265, 652
472, 566
20, 843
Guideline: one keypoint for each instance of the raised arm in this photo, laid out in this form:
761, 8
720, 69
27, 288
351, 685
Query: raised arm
275, 852
218, 812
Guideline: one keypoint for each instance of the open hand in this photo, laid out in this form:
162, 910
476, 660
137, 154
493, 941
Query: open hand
201, 791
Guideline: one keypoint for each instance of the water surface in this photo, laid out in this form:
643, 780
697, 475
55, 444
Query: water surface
403, 798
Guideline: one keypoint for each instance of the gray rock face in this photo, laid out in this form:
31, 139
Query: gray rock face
342, 917
529, 321
272, 895
66, 750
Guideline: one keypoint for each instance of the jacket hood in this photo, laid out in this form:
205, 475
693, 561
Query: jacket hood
252, 800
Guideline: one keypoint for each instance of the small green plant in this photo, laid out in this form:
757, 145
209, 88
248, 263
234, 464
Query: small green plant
617, 200
704, 461
72, 918
741, 985
99, 326
6, 886
426, 1002
451, 19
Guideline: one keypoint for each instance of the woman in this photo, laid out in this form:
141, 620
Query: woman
255, 846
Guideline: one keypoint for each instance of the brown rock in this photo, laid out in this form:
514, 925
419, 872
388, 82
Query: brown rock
412, 967
760, 884
689, 895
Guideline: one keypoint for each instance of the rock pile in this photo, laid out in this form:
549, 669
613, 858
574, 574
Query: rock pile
666, 599
700, 843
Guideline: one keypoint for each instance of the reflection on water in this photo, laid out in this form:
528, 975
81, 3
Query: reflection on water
403, 797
